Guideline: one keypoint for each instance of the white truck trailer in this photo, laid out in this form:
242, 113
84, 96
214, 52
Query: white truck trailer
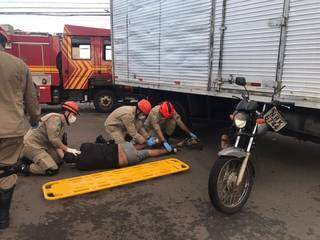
190, 51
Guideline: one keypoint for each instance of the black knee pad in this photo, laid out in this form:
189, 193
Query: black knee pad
6, 171
51, 172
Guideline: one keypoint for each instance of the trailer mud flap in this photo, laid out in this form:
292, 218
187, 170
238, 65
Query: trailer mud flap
109, 179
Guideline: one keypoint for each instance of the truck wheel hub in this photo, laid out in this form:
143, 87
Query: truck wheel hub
106, 101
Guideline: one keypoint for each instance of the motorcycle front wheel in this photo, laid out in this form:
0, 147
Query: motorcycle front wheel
224, 194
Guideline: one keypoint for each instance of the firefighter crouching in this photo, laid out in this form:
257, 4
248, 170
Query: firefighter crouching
162, 121
128, 120
43, 145
17, 93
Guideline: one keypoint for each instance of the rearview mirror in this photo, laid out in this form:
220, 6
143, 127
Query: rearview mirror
241, 81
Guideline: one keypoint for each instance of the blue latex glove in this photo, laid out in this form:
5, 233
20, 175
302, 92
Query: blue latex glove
193, 136
151, 141
167, 146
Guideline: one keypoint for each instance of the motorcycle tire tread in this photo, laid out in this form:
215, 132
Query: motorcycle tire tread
213, 182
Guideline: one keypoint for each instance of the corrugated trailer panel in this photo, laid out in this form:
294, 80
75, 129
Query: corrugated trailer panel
184, 40
143, 35
216, 40
169, 42
251, 41
120, 54
301, 70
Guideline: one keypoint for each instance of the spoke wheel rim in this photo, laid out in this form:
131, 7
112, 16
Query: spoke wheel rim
229, 194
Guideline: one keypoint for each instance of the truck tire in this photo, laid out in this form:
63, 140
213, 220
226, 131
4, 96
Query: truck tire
104, 101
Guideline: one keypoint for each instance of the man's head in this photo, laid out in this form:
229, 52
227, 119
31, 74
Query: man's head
3, 37
70, 110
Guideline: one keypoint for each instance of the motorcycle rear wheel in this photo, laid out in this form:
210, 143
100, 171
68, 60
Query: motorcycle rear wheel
225, 196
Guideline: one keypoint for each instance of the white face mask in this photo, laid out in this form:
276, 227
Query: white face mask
72, 118
141, 116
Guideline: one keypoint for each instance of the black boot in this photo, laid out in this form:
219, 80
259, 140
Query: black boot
5, 202
101, 139
24, 169
26, 160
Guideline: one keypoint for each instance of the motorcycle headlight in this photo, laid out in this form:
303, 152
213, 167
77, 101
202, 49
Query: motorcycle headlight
240, 120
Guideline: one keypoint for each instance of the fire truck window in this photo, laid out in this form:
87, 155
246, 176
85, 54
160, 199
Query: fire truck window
107, 55
8, 45
81, 48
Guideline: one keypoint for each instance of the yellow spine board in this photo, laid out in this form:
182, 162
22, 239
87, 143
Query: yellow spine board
109, 179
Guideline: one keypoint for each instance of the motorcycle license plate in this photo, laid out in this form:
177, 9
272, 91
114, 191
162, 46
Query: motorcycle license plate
274, 119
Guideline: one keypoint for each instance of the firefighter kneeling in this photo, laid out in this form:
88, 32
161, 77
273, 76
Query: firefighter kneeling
128, 120
43, 145
162, 121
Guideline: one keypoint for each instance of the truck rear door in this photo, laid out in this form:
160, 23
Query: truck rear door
246, 43
301, 69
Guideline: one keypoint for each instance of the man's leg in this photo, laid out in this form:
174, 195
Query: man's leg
116, 134
43, 163
56, 155
10, 150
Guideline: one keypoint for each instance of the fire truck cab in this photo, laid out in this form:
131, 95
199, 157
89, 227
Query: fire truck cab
75, 65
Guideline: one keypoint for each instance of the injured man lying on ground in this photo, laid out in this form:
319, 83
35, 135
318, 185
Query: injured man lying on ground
107, 155
102, 154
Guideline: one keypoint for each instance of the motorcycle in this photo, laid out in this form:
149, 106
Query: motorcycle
232, 175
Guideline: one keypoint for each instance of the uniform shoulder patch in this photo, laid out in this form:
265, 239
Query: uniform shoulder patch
56, 121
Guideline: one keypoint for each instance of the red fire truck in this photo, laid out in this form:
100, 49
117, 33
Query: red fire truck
76, 65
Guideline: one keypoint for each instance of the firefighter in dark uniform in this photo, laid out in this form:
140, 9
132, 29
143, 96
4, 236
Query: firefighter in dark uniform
17, 95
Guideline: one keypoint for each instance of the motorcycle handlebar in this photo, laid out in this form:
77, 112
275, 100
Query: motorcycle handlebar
287, 105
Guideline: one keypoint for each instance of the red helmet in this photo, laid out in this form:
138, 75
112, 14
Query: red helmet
4, 34
167, 109
144, 106
71, 106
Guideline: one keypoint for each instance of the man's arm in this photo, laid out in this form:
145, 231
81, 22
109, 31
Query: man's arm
184, 128
160, 134
157, 152
143, 132
31, 100
60, 152
53, 125
154, 122
131, 129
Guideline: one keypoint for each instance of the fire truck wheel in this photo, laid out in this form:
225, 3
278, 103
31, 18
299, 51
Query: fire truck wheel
104, 101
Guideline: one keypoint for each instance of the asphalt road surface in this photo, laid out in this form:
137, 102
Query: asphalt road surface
284, 204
